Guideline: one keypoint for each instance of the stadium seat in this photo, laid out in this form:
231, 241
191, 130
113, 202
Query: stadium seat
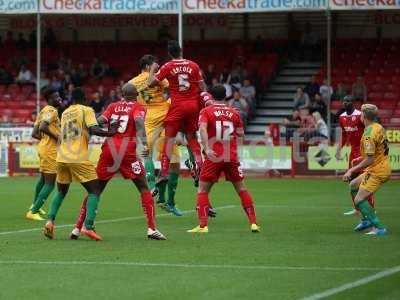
395, 121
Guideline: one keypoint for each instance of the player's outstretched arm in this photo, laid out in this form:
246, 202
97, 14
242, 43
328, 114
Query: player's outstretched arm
44, 127
97, 130
141, 135
102, 120
36, 133
152, 81
367, 161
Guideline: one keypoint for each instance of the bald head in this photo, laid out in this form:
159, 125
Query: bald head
129, 92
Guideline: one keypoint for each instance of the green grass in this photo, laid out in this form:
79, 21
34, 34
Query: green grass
302, 227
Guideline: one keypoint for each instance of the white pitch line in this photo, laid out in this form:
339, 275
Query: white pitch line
106, 221
354, 284
184, 265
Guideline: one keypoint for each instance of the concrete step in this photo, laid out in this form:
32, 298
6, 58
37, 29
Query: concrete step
276, 104
284, 88
266, 120
254, 137
278, 96
303, 65
301, 80
275, 112
298, 72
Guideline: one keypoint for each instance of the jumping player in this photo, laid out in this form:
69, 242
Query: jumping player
352, 129
47, 130
185, 84
220, 126
119, 155
375, 167
152, 98
78, 122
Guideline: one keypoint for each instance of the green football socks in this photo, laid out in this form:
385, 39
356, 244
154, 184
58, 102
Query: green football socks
41, 198
38, 188
172, 185
369, 213
151, 179
55, 205
92, 204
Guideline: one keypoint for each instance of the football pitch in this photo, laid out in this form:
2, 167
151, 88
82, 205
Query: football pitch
306, 250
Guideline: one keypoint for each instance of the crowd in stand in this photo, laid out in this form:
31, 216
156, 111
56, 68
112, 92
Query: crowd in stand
311, 106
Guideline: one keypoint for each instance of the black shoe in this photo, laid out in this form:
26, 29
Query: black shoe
212, 213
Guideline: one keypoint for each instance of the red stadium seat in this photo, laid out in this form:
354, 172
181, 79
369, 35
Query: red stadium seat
396, 113
391, 96
395, 121
375, 97
385, 113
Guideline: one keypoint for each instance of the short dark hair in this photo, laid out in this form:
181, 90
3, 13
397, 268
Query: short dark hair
174, 49
218, 92
48, 92
146, 60
78, 95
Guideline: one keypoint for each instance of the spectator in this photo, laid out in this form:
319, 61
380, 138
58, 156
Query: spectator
340, 92
225, 76
97, 69
209, 75
97, 104
67, 81
248, 92
238, 73
293, 120
325, 91
214, 82
75, 78
21, 43
31, 121
112, 97
319, 105
301, 99
228, 90
25, 76
5, 76
68, 66
44, 81
118, 91
319, 129
307, 122
312, 88
359, 90
82, 72
102, 93
240, 104
68, 95
56, 84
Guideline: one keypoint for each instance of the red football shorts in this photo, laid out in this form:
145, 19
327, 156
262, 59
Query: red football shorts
353, 155
211, 171
130, 167
183, 116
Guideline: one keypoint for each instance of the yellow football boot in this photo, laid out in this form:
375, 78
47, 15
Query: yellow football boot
35, 217
199, 229
255, 228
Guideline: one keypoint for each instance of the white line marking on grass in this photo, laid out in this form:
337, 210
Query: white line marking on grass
314, 207
353, 284
184, 265
107, 221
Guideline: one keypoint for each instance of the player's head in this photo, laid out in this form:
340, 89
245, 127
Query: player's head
348, 103
369, 113
78, 96
52, 97
174, 50
206, 99
146, 61
218, 92
129, 92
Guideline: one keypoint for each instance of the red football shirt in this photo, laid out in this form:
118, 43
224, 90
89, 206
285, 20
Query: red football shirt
352, 129
125, 113
223, 123
183, 77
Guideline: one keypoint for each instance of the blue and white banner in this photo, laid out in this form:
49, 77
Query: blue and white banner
18, 6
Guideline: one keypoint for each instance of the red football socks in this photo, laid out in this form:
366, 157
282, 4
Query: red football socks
148, 208
247, 204
202, 208
82, 214
196, 149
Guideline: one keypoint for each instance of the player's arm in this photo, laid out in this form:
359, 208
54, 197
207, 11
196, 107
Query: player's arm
153, 80
342, 142
369, 147
36, 133
102, 120
97, 130
141, 134
204, 138
44, 127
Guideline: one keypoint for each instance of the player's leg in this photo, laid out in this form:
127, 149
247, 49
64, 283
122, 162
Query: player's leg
202, 206
38, 188
94, 190
62, 190
83, 211
148, 208
49, 182
247, 204
365, 185
354, 210
153, 138
173, 179
37, 216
